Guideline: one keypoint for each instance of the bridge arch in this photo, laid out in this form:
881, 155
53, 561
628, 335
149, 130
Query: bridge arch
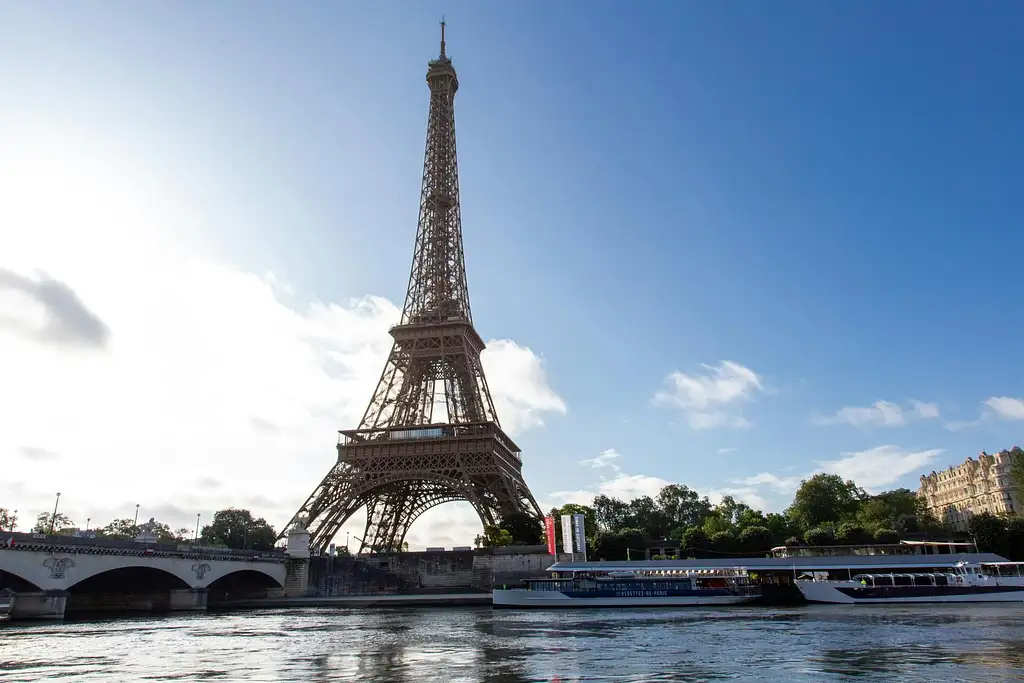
394, 501
132, 578
17, 583
245, 582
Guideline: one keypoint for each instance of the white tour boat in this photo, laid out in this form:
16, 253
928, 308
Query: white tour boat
593, 585
966, 582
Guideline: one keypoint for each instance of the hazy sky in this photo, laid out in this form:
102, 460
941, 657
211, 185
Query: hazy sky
719, 244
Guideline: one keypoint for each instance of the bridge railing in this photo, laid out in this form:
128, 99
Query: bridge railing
17, 538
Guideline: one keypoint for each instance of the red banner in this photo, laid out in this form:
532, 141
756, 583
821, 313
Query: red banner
549, 528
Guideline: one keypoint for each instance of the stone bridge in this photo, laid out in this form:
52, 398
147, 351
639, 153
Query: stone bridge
51, 574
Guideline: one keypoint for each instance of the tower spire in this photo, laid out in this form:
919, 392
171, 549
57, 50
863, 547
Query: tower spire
442, 37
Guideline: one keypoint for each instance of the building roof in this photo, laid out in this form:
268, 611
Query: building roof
784, 563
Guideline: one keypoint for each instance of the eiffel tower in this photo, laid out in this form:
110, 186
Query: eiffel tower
402, 460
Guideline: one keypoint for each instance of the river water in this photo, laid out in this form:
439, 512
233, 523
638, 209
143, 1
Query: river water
814, 643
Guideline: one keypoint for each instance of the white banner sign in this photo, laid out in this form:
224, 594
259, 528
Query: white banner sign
567, 533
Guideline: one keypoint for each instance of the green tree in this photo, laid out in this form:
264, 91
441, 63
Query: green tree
1014, 540
1017, 472
779, 525
750, 517
61, 523
731, 510
989, 532
126, 529
852, 534
618, 545
756, 539
644, 514
121, 528
236, 528
8, 520
896, 509
715, 523
682, 506
821, 535
887, 536
696, 541
825, 499
723, 542
524, 528
927, 522
493, 537
612, 513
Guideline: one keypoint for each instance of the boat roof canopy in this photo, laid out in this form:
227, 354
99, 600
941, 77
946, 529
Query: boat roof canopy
784, 563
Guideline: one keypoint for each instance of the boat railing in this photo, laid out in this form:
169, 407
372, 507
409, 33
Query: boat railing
1003, 570
916, 579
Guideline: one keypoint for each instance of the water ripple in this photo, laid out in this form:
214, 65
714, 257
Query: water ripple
396, 645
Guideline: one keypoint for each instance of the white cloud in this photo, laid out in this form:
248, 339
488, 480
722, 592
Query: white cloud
880, 414
995, 407
874, 469
928, 411
879, 467
625, 486
179, 383
957, 425
1007, 408
744, 494
727, 450
782, 484
712, 400
603, 459
519, 386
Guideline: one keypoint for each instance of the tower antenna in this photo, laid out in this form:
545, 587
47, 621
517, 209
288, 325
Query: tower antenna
442, 36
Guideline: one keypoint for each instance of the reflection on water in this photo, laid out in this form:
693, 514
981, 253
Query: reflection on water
927, 643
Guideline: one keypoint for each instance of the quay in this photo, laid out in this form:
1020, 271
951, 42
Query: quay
51, 575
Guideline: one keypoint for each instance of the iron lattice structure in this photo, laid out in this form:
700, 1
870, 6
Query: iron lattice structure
400, 461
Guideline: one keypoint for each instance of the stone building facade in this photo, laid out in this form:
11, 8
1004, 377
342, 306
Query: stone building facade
976, 486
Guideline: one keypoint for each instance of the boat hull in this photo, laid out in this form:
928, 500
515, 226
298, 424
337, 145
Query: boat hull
852, 593
519, 599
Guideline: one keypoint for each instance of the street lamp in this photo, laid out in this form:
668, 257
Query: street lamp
196, 541
87, 520
53, 517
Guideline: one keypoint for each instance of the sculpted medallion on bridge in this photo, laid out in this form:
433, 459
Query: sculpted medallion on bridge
200, 568
58, 566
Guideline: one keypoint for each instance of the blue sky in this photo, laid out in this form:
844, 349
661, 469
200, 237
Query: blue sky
827, 195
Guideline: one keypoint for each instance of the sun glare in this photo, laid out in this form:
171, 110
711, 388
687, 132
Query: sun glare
68, 206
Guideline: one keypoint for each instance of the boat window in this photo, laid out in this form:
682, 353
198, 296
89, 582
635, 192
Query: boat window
940, 580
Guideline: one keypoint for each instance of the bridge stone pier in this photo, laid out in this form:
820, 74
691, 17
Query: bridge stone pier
51, 576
